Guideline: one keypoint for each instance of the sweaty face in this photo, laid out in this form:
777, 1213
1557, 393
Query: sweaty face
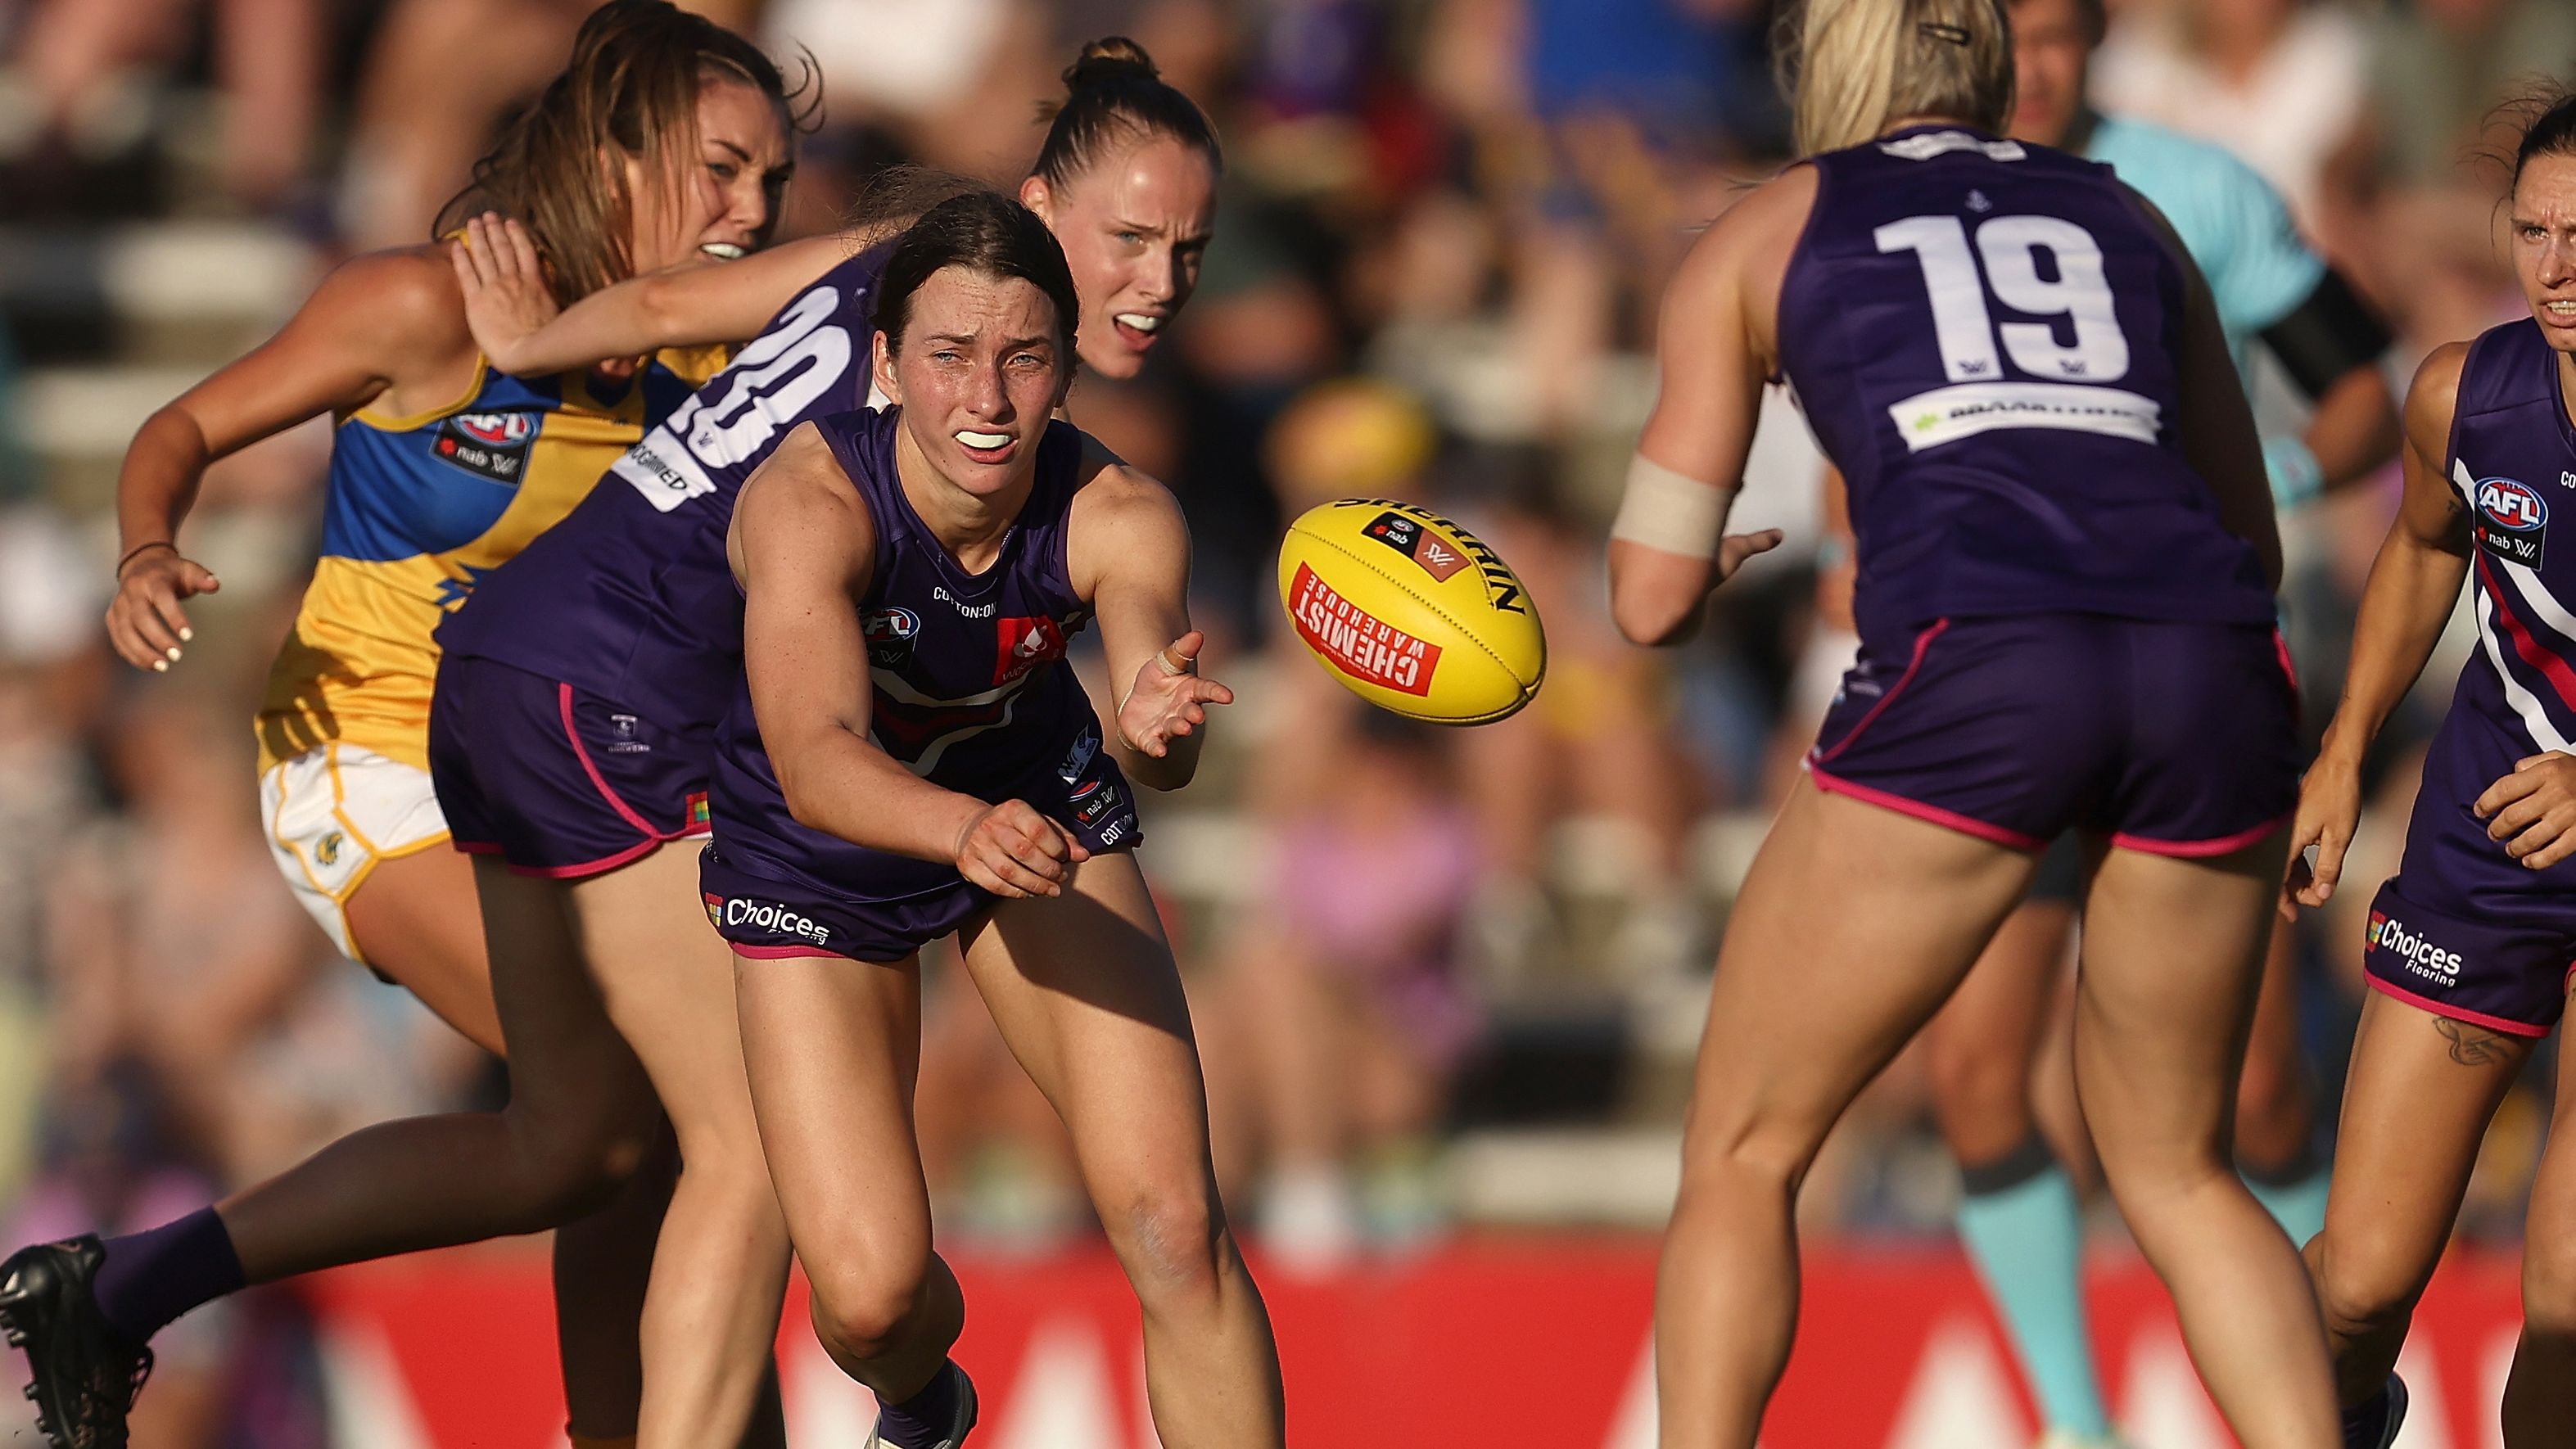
1133, 228
722, 202
2544, 245
978, 376
2052, 49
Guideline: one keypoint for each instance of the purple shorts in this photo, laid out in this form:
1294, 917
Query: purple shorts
771, 911
2180, 739
554, 781
2462, 930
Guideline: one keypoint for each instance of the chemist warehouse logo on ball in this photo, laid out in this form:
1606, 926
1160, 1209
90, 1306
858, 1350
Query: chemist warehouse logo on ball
2420, 954
735, 912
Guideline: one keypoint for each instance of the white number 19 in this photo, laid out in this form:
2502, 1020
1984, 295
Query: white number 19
1963, 323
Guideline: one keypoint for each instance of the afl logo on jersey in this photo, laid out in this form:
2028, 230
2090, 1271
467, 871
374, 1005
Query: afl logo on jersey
2512, 520
497, 430
890, 633
487, 445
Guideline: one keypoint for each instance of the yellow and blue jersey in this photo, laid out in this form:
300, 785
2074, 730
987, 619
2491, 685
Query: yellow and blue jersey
421, 506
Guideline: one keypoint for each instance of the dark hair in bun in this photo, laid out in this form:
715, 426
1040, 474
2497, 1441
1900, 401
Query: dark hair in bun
1110, 93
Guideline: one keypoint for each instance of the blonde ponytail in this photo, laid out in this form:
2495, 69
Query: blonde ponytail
1851, 66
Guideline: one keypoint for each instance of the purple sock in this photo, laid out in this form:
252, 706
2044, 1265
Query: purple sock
922, 1421
151, 1278
2366, 1423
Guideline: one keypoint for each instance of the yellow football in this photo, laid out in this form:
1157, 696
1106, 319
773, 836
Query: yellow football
1411, 611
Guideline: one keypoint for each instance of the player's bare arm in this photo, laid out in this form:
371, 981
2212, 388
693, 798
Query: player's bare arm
1713, 351
383, 330
518, 325
1130, 555
803, 546
2413, 584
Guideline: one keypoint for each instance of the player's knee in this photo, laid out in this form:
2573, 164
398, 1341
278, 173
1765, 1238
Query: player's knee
2549, 1284
862, 1310
1734, 1150
576, 1164
2271, 1108
2363, 1288
1171, 1241
1981, 1100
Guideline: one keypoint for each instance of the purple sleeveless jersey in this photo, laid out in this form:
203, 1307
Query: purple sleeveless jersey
630, 597
2463, 930
1984, 337
970, 691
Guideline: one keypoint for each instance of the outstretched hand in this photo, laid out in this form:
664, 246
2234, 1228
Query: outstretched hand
145, 624
506, 297
1169, 699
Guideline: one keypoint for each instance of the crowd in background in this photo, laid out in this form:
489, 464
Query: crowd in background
1442, 234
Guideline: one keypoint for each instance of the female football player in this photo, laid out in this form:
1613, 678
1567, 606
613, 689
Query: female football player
2469, 942
665, 140
910, 756
2066, 555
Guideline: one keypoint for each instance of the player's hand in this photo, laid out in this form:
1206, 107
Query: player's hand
2533, 810
1015, 852
144, 621
1169, 699
1734, 549
2329, 811
506, 296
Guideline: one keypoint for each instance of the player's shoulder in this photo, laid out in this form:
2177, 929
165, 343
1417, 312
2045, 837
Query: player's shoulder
2433, 398
406, 291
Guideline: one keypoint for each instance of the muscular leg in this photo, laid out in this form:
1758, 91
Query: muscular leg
1084, 989
2275, 1110
415, 920
2172, 961
1808, 1004
579, 1123
2415, 1107
832, 1047
720, 1266
2019, 1217
2540, 1395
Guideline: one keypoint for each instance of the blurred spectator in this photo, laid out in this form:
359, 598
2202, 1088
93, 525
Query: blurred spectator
1344, 1001
85, 62
2280, 82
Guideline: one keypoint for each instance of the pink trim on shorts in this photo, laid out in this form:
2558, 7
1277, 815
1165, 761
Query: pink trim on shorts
476, 847
783, 953
1922, 642
1920, 811
2289, 671
2455, 1013
2197, 849
601, 866
563, 698
2551, 666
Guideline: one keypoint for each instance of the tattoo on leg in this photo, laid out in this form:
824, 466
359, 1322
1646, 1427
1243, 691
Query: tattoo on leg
2472, 1046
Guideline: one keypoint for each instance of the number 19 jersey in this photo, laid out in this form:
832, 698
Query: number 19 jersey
630, 597
1985, 336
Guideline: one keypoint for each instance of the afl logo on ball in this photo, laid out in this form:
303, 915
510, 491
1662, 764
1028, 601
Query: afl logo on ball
2513, 520
488, 445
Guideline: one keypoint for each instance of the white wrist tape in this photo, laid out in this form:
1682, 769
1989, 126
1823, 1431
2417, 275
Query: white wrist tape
1670, 511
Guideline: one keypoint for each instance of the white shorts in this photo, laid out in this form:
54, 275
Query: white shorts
331, 813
